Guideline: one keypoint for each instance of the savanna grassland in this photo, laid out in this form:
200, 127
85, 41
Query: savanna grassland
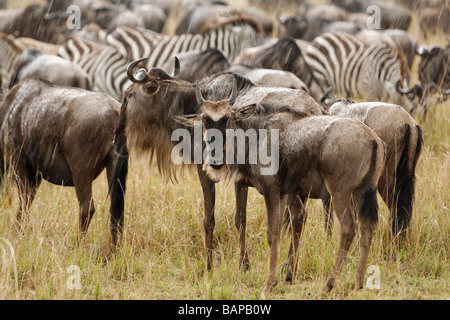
162, 254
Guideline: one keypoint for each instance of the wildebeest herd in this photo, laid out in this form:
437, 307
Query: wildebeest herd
76, 100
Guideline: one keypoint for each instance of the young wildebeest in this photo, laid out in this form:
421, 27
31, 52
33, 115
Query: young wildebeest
319, 157
403, 143
146, 126
63, 135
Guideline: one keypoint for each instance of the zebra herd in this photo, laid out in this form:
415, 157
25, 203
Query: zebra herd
332, 67
342, 64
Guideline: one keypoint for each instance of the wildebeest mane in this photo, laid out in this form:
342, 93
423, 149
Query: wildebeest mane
157, 143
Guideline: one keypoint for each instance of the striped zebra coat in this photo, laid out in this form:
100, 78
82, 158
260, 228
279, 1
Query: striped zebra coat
106, 67
353, 69
136, 43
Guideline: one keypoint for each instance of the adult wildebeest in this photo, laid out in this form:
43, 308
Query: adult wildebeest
434, 73
434, 20
145, 124
318, 156
34, 63
270, 77
204, 16
403, 141
392, 15
18, 63
198, 64
62, 135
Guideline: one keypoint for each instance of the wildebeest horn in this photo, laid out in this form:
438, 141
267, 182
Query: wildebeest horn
198, 94
140, 75
402, 90
233, 94
423, 49
176, 69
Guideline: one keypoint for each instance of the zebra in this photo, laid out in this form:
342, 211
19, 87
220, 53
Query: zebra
136, 43
351, 68
106, 67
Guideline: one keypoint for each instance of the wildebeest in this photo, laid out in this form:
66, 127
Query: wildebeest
18, 63
434, 67
319, 157
392, 15
270, 77
432, 20
403, 141
203, 16
146, 126
309, 28
33, 22
198, 64
312, 20
434, 74
62, 135
34, 63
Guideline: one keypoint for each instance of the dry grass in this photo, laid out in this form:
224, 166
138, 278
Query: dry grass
162, 255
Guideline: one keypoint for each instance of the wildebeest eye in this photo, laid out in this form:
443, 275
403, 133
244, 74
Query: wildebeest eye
151, 87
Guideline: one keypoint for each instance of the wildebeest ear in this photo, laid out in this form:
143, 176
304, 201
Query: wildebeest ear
243, 112
189, 120
151, 87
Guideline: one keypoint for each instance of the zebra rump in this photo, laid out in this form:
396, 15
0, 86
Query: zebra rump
354, 69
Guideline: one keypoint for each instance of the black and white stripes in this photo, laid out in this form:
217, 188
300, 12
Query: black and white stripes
135, 43
353, 68
105, 66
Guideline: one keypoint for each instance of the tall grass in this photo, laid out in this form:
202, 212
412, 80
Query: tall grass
162, 254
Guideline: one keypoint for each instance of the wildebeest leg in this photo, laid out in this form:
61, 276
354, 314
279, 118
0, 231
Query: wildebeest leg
116, 170
27, 181
241, 192
368, 217
209, 196
328, 210
296, 206
83, 190
344, 212
273, 203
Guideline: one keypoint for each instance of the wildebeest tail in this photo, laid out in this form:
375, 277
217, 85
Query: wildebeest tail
117, 190
368, 206
404, 179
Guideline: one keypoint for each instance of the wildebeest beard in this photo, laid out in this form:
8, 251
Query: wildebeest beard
147, 129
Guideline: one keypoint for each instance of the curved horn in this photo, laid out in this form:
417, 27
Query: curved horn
198, 94
402, 90
176, 69
423, 49
233, 93
140, 76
